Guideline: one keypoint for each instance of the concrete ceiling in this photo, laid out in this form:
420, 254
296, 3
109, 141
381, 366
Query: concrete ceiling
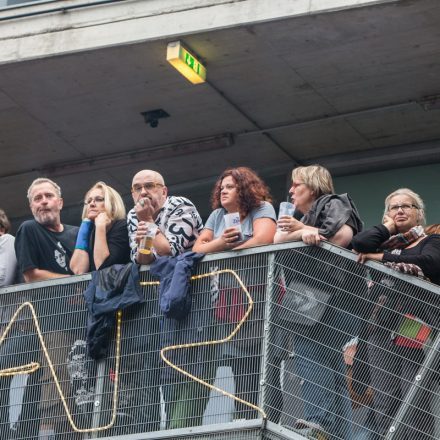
341, 88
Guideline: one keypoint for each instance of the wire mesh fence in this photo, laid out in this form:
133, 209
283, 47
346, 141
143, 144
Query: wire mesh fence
324, 306
326, 349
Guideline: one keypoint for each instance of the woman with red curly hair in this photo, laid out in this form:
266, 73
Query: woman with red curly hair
238, 190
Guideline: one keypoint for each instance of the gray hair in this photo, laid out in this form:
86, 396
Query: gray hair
43, 180
417, 200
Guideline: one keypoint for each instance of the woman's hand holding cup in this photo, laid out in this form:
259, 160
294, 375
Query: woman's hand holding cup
285, 215
289, 224
231, 236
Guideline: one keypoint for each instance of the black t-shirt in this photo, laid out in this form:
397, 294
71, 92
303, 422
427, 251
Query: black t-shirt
38, 248
118, 245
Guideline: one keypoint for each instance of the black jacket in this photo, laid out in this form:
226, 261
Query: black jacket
330, 212
111, 289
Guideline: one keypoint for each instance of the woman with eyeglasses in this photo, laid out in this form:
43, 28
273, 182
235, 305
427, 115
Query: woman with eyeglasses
317, 347
102, 238
394, 356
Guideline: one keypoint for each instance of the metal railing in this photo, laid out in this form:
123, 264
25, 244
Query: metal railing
282, 369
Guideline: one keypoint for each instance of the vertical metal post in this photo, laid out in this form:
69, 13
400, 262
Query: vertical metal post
422, 377
265, 345
97, 404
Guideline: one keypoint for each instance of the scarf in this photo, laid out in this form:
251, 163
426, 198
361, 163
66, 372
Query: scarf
400, 241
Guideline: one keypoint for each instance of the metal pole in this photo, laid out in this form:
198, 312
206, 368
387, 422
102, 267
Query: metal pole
265, 346
97, 404
422, 376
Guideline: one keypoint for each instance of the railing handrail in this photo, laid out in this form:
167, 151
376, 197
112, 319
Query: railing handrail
217, 256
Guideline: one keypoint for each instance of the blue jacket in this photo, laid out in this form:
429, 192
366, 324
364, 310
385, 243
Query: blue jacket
174, 291
178, 326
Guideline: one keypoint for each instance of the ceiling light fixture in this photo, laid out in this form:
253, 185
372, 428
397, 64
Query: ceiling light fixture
186, 63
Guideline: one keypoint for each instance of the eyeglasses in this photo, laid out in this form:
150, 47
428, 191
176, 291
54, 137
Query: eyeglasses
405, 208
97, 199
296, 184
148, 186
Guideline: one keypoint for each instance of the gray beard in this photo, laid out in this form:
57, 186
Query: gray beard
46, 221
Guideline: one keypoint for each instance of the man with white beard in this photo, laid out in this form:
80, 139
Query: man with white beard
44, 245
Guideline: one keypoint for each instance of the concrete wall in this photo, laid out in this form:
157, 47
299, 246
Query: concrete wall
70, 30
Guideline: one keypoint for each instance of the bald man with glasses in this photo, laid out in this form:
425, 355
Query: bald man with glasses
178, 220
178, 226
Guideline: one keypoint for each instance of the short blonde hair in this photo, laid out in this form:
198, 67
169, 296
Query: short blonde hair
316, 177
417, 200
41, 180
113, 204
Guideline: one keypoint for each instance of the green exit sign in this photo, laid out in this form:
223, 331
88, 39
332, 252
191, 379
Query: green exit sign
186, 63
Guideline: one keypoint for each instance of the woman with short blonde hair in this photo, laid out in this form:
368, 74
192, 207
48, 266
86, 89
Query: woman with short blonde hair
327, 216
103, 237
318, 362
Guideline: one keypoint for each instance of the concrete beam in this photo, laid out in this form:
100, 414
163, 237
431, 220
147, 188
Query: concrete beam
56, 28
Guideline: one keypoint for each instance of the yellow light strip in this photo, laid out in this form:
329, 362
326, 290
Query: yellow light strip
34, 366
212, 342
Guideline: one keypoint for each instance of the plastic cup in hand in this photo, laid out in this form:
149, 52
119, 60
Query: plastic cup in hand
286, 208
146, 244
233, 221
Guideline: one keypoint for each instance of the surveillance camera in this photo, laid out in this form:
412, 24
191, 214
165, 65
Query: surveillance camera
152, 117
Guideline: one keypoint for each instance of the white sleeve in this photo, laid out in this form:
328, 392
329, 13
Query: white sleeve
132, 225
8, 260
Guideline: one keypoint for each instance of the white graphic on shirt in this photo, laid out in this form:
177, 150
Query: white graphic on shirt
60, 256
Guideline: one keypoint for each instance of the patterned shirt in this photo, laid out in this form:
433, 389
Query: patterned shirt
178, 220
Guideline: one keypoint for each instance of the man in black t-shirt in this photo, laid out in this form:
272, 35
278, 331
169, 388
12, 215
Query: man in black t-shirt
44, 245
